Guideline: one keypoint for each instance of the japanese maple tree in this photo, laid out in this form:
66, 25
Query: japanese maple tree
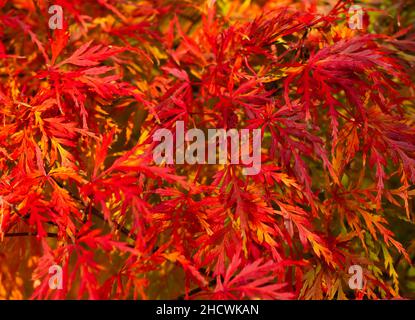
79, 187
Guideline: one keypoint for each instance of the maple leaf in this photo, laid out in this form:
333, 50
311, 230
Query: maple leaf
79, 187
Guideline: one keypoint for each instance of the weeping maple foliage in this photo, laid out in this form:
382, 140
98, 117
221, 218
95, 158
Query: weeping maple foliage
79, 187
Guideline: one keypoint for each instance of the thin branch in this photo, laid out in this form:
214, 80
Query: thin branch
119, 227
29, 234
196, 290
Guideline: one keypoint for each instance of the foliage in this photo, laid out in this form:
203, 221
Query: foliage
79, 188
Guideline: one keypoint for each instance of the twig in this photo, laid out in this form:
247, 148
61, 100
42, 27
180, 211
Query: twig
27, 234
119, 227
